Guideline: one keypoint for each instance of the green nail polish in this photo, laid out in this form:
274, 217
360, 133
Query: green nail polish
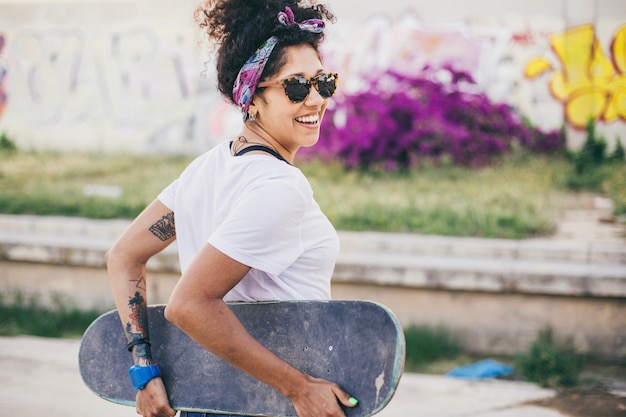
353, 401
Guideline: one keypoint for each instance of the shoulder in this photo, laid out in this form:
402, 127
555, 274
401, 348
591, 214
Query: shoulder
275, 191
273, 173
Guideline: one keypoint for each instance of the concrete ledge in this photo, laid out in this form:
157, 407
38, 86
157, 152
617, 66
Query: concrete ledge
73, 250
530, 249
483, 274
417, 261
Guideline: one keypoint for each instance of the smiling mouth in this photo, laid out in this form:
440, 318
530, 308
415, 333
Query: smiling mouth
309, 120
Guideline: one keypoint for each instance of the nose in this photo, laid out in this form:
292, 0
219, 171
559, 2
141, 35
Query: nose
314, 98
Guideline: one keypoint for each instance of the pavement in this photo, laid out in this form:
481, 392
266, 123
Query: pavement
40, 377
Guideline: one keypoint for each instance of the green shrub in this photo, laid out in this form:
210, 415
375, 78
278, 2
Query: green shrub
20, 314
615, 189
549, 365
618, 155
592, 165
594, 170
6, 144
425, 345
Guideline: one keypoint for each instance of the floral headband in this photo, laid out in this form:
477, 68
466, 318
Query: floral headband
249, 75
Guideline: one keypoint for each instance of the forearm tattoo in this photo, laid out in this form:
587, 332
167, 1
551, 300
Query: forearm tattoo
165, 228
137, 326
140, 284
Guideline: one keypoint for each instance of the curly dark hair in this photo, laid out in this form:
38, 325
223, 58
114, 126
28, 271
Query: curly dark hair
239, 27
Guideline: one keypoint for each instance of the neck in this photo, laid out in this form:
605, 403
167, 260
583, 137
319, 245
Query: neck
253, 131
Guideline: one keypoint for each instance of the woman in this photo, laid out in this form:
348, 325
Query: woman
246, 223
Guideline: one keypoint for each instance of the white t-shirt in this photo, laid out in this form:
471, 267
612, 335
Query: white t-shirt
259, 211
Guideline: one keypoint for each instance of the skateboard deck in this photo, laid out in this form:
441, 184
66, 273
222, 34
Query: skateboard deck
356, 344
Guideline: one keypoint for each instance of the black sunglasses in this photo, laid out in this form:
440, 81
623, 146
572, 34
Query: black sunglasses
297, 88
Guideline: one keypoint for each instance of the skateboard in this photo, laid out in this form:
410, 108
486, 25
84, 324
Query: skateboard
357, 344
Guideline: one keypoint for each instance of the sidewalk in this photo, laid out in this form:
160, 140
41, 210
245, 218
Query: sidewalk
40, 378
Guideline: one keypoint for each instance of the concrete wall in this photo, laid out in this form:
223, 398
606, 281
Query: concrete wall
111, 75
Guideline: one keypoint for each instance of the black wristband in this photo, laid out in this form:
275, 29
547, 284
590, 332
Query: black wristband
135, 342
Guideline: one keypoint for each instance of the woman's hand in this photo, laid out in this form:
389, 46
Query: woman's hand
152, 401
321, 398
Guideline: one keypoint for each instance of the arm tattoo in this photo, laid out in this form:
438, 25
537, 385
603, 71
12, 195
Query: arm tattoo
141, 283
165, 228
139, 321
139, 312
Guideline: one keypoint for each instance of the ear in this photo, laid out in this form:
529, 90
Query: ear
252, 111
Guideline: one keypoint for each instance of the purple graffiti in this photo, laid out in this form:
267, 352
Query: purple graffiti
3, 73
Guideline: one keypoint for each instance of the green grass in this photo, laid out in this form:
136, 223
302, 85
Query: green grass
520, 197
517, 198
426, 346
52, 184
548, 364
21, 314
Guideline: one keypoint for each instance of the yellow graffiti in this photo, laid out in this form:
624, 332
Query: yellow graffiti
590, 85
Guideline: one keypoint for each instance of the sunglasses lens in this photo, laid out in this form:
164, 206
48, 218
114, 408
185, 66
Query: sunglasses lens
326, 85
297, 89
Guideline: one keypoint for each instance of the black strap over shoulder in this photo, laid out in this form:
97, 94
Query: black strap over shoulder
262, 148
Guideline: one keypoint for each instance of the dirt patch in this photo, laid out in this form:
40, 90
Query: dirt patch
580, 402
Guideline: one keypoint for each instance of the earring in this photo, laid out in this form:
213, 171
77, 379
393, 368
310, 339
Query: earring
251, 117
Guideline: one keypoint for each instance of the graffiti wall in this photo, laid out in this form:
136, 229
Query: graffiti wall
128, 89
3, 74
148, 87
590, 84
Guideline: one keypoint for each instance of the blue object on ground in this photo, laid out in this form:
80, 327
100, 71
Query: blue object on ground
487, 368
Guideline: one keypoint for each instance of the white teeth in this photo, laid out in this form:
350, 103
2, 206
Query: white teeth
308, 119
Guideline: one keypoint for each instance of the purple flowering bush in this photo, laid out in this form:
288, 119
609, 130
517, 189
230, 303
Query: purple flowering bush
402, 120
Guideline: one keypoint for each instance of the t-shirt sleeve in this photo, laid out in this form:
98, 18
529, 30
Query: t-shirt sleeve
264, 228
168, 195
